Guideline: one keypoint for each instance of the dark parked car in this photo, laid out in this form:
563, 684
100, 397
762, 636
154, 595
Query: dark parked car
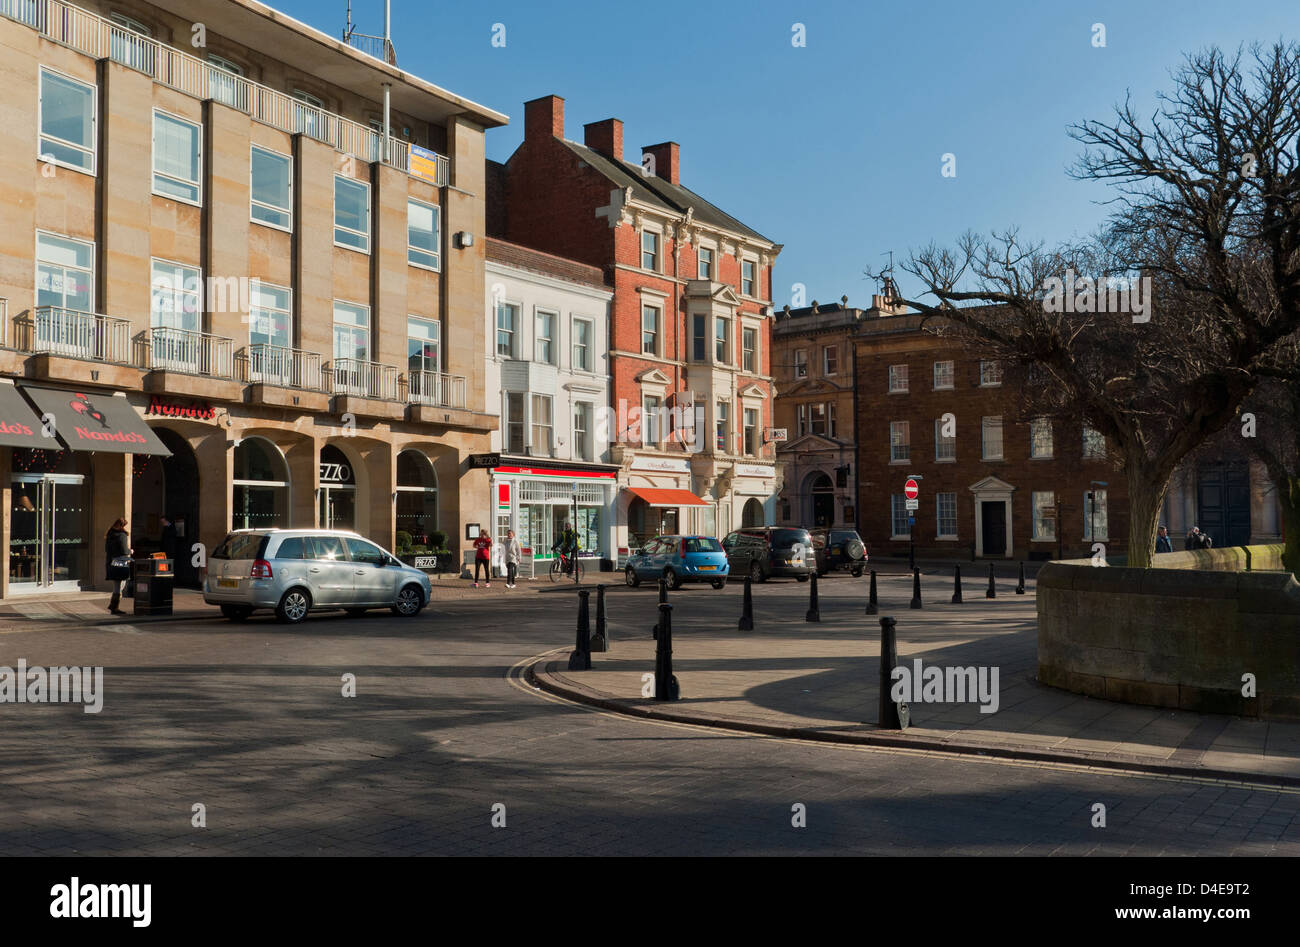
764, 551
839, 549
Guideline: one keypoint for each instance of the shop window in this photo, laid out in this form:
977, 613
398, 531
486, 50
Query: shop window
417, 497
260, 492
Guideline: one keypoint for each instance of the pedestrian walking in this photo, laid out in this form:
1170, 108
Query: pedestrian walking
1193, 540
1163, 543
513, 555
483, 557
117, 556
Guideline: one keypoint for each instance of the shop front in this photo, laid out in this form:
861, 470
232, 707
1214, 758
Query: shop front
537, 502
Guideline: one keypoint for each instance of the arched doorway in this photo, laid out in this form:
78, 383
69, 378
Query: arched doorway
260, 487
165, 504
821, 493
417, 498
752, 514
338, 490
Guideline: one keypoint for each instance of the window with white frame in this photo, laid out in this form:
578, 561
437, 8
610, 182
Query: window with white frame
990, 373
749, 349
800, 363
130, 43
801, 416
699, 337
945, 515
943, 376
945, 448
582, 414
991, 438
65, 273
582, 329
270, 188
423, 354
750, 431
177, 158
830, 418
1040, 438
270, 315
649, 250
542, 428
650, 317
67, 122
175, 296
351, 331
817, 415
514, 421
748, 278
830, 359
544, 343
897, 379
722, 340
1094, 444
507, 329
422, 236
900, 528
1044, 524
1096, 527
651, 433
900, 440
704, 264
308, 113
351, 213
224, 82
720, 420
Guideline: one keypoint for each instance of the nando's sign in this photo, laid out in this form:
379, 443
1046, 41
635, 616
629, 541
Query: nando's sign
192, 410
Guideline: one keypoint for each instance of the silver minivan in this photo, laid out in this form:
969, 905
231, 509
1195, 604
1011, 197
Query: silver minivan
296, 570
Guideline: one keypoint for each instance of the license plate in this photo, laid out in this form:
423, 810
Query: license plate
227, 583
707, 568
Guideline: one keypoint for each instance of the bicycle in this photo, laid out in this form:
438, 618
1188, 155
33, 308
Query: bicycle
560, 568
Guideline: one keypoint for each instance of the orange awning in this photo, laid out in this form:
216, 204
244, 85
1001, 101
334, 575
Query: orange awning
657, 496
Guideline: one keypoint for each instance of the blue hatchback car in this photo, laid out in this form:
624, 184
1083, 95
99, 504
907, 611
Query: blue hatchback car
678, 559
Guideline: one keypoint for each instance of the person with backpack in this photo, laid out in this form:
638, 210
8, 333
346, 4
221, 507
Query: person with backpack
483, 557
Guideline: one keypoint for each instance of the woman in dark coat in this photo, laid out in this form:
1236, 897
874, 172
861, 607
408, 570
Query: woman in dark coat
116, 543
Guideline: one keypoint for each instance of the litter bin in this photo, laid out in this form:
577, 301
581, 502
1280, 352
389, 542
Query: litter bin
154, 581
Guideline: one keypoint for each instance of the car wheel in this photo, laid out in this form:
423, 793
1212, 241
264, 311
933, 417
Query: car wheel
630, 576
802, 578
355, 612
236, 612
856, 572
294, 606
756, 573
719, 583
672, 578
409, 601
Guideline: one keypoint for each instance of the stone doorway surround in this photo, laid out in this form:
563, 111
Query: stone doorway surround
992, 490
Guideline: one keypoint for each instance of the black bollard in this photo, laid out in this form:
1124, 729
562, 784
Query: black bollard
666, 687
993, 591
814, 613
747, 610
663, 597
600, 642
872, 603
916, 588
580, 657
956, 585
1020, 586
894, 714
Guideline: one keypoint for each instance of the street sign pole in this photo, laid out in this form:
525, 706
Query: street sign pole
912, 493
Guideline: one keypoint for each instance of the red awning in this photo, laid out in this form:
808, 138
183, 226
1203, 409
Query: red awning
656, 496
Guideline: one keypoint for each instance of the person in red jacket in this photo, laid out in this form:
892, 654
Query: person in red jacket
482, 558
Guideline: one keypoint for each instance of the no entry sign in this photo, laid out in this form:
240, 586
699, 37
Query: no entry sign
911, 490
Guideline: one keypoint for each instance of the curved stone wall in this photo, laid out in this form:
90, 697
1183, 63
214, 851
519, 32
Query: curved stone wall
1181, 635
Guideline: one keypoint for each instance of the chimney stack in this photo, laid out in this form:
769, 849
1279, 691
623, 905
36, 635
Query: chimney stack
605, 137
667, 158
544, 117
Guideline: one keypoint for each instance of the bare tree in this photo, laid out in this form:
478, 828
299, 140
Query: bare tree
1206, 232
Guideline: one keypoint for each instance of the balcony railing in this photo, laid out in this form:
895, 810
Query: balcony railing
89, 336
437, 389
278, 365
353, 376
375, 46
102, 39
190, 353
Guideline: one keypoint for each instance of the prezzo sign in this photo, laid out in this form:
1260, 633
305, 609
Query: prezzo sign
335, 473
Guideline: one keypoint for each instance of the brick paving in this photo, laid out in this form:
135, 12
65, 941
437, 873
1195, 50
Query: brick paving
249, 721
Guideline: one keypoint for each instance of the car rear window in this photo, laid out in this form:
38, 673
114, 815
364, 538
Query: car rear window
292, 548
703, 544
241, 546
843, 535
782, 538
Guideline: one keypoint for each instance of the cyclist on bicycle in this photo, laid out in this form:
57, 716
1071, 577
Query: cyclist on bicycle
567, 546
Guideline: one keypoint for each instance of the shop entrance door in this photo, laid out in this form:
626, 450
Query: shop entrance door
338, 507
49, 548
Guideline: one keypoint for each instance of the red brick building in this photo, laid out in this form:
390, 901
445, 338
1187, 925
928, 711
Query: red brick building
690, 327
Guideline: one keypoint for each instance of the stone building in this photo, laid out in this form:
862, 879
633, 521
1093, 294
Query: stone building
270, 310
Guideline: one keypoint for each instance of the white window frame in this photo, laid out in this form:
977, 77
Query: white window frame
514, 330
412, 250
826, 364
897, 506
748, 430
1094, 444
725, 340
587, 365
987, 424
288, 312
818, 415
185, 290
93, 150
659, 328
197, 184
752, 293
948, 373
1037, 426
722, 426
364, 235
552, 339
368, 327
658, 249
938, 516
253, 202
749, 357
701, 265
650, 420
535, 426
802, 421
898, 382
1035, 502
941, 441
585, 412
39, 261
517, 421
990, 373
800, 363
903, 428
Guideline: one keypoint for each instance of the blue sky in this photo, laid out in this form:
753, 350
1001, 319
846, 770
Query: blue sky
833, 149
